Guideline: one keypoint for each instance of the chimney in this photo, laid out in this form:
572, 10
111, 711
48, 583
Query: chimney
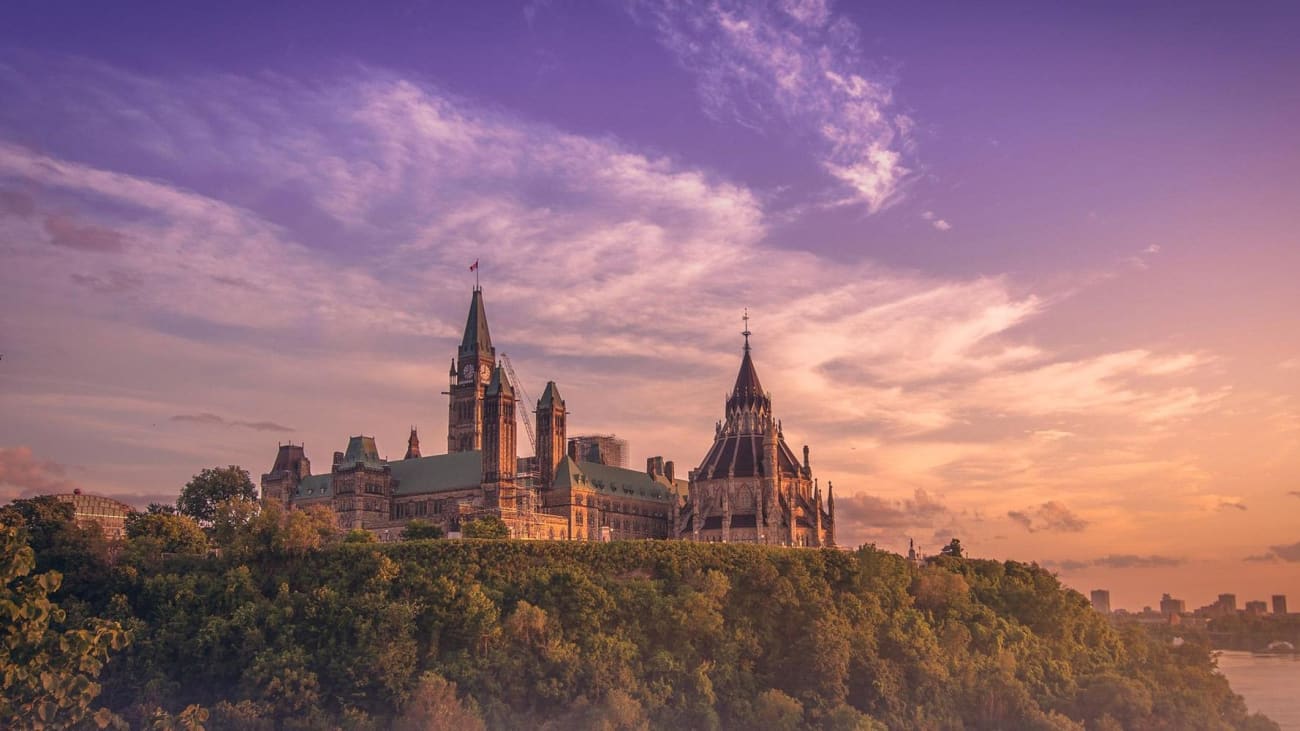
654, 466
668, 470
338, 458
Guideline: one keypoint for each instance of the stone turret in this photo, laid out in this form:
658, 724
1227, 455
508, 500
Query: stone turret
551, 434
412, 445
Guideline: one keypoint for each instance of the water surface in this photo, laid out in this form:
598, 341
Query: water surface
1269, 683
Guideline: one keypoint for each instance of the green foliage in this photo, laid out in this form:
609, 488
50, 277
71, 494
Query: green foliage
254, 531
359, 535
434, 704
48, 676
419, 530
489, 526
78, 553
151, 536
200, 496
288, 629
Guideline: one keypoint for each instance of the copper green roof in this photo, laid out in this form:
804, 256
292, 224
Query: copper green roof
616, 481
315, 487
438, 473
363, 450
419, 476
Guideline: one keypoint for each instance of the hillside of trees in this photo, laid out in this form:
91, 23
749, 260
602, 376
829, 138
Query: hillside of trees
290, 624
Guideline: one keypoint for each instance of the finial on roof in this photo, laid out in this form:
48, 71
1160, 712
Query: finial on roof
746, 332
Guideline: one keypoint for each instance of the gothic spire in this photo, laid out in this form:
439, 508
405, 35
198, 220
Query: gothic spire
476, 338
747, 390
412, 445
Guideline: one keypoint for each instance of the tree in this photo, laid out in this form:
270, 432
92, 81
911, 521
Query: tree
200, 496
151, 535
49, 676
489, 526
78, 552
776, 710
247, 530
419, 530
952, 549
434, 705
359, 535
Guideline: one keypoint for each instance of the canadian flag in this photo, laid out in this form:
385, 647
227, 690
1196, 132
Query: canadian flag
474, 267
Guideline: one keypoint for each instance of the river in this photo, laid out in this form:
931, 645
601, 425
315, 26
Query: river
1269, 683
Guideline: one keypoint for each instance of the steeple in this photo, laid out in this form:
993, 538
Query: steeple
748, 391
413, 445
476, 339
472, 369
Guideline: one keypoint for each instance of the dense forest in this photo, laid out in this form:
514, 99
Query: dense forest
263, 619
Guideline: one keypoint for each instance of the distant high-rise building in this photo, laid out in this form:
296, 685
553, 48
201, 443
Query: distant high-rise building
1228, 603
1256, 607
1170, 606
1279, 603
1101, 600
605, 449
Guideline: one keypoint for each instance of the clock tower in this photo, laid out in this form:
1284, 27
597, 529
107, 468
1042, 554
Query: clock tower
472, 371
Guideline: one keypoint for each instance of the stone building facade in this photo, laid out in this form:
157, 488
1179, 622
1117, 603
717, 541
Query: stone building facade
748, 488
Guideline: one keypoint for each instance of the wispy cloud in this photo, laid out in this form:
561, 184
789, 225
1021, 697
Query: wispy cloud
1286, 552
1050, 516
22, 473
935, 221
1118, 561
64, 231
607, 268
799, 63
208, 419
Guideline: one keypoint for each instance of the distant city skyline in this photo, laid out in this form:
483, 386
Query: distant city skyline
1021, 275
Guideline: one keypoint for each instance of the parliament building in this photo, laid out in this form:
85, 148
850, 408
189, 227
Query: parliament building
749, 487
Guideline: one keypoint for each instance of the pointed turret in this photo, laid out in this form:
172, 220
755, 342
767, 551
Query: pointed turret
550, 396
551, 433
412, 445
500, 383
476, 339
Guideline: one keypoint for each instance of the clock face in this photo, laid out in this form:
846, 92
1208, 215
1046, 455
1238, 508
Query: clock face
467, 371
484, 372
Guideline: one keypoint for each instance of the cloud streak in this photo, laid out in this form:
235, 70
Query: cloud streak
208, 419
1118, 561
1050, 516
798, 63
610, 269
1286, 552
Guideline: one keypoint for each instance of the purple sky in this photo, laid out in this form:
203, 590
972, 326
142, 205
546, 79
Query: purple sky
1021, 274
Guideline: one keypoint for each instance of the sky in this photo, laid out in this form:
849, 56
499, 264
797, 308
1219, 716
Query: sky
1019, 274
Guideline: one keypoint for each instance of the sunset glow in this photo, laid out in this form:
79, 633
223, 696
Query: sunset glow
1016, 275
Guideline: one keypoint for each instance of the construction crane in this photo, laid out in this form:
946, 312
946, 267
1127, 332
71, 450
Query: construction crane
523, 413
